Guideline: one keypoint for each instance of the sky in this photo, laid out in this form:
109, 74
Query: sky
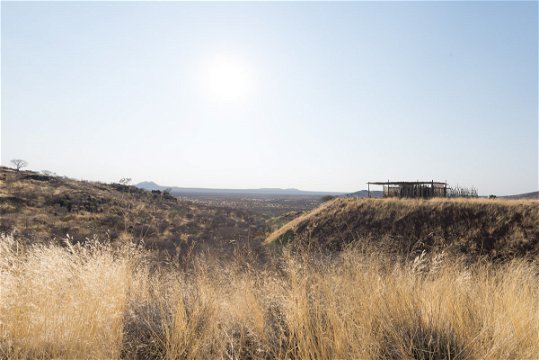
317, 96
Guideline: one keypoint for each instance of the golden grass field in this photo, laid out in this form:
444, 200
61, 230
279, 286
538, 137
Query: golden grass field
101, 301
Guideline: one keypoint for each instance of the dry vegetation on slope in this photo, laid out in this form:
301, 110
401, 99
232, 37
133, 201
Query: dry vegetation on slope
499, 229
40, 208
97, 301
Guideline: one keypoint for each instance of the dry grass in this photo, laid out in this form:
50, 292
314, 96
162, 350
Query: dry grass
43, 208
97, 301
498, 229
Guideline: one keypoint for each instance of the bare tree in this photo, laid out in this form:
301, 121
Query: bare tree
464, 192
19, 163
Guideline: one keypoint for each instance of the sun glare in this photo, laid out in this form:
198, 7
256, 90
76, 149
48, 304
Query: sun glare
228, 78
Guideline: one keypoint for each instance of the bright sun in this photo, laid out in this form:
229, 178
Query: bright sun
228, 78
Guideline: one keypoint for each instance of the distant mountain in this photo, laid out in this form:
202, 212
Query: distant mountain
150, 185
530, 195
365, 193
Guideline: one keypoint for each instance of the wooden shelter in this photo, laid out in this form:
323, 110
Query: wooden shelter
412, 189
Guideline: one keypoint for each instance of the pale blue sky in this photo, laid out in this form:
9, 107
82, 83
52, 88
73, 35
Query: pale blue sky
332, 95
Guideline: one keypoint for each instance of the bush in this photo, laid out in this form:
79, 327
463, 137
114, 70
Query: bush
327, 198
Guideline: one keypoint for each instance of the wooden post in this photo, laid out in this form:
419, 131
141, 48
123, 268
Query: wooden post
369, 189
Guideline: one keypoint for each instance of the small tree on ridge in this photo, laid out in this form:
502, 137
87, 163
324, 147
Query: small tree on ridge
19, 164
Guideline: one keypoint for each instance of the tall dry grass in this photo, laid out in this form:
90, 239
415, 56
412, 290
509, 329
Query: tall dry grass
97, 301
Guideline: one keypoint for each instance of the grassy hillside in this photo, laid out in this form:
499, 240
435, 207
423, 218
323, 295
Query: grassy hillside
40, 208
496, 228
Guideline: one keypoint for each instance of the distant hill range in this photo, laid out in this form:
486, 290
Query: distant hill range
181, 191
379, 194
530, 195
